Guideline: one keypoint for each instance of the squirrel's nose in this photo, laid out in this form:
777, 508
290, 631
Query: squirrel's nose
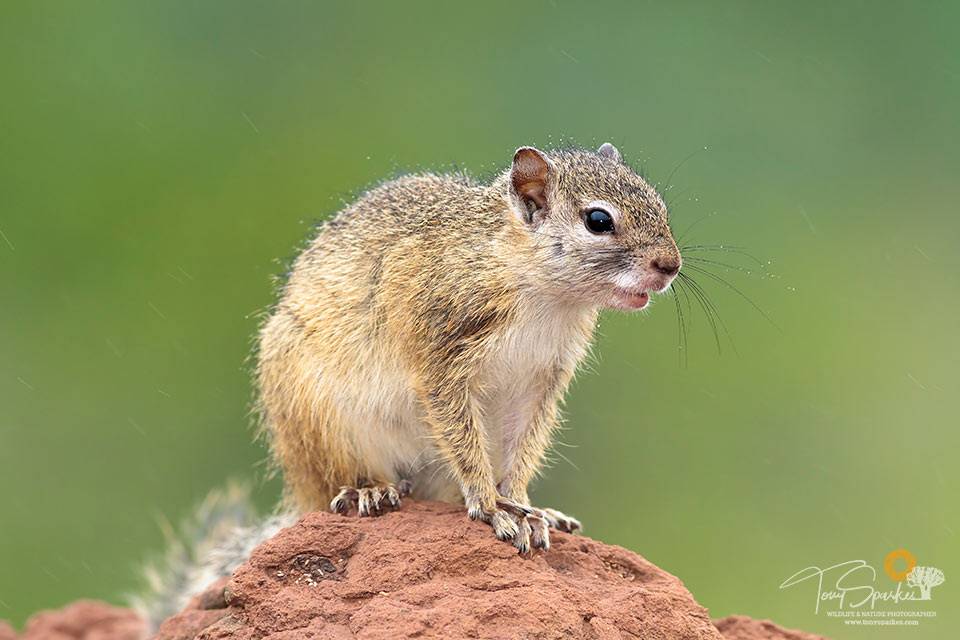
667, 265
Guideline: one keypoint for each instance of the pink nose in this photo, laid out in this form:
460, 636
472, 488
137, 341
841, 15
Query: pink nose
668, 266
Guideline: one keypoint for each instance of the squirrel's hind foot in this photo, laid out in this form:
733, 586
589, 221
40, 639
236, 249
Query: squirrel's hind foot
372, 500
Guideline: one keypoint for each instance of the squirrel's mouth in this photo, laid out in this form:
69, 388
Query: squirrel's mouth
630, 299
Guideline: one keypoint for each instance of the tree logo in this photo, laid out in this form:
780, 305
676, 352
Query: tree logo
922, 578
925, 578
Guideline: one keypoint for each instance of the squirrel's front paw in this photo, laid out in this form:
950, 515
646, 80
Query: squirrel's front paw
371, 500
507, 526
524, 527
533, 525
540, 521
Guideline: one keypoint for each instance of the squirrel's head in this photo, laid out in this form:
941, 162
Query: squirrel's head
600, 229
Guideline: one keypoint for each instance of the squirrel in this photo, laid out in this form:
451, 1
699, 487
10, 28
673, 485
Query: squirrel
425, 338
423, 343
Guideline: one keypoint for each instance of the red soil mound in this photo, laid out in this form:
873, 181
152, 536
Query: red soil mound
744, 628
81, 620
422, 572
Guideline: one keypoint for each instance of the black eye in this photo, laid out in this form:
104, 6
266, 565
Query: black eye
598, 221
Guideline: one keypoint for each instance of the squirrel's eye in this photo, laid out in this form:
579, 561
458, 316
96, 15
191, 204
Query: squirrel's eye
598, 221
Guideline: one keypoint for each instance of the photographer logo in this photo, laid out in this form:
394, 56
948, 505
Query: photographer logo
860, 595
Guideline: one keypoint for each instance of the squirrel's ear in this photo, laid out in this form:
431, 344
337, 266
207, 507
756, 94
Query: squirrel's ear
607, 150
529, 178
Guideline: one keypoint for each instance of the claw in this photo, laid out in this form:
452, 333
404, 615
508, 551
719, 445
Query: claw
562, 522
363, 503
539, 533
504, 527
376, 495
369, 501
393, 496
343, 500
522, 540
476, 513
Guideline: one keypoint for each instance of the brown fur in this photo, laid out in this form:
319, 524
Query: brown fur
430, 330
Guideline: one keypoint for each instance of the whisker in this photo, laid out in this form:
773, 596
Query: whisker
681, 327
726, 265
693, 248
708, 310
691, 282
680, 164
737, 291
693, 225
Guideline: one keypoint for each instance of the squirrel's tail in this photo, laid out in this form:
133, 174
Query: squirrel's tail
220, 535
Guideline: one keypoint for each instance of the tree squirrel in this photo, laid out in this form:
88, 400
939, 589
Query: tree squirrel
423, 344
425, 338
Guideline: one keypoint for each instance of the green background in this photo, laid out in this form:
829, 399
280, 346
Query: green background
160, 162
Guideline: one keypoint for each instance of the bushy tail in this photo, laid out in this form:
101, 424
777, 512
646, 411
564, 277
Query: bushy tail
219, 536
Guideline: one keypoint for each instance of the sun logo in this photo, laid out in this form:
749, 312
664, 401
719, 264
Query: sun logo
922, 578
890, 564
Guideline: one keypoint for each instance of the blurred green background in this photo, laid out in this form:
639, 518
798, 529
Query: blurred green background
160, 160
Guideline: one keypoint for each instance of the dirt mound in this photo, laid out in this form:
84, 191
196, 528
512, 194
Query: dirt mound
81, 620
422, 572
744, 628
428, 572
